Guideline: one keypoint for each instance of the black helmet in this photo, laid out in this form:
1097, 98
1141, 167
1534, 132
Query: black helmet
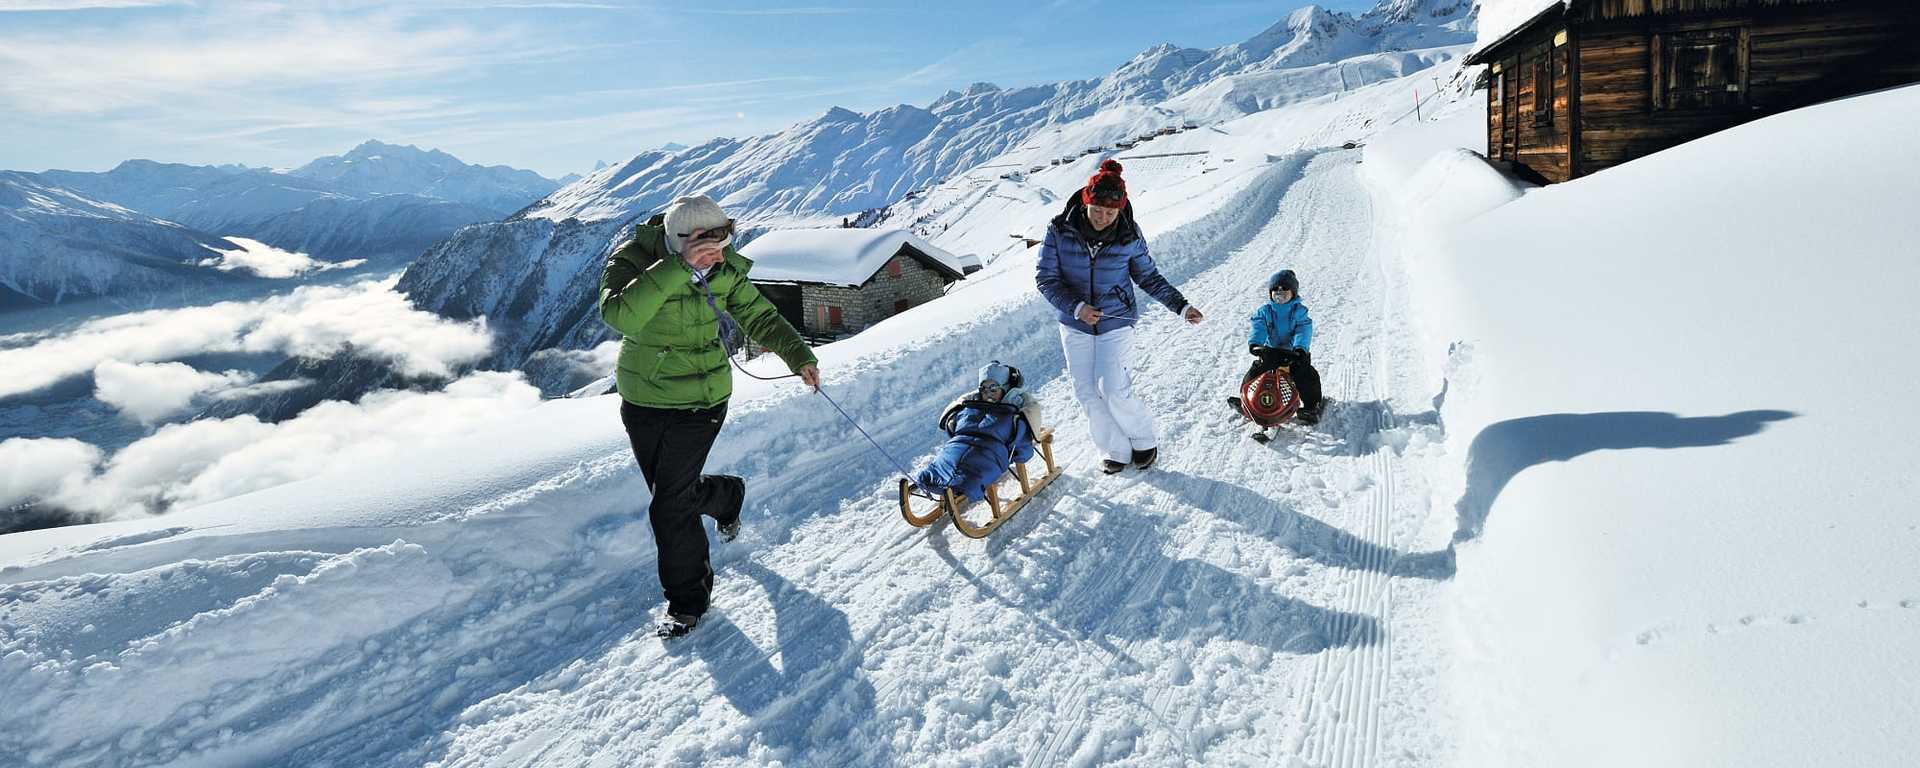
1284, 279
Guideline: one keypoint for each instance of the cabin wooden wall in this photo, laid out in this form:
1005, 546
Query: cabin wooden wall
1794, 54
1535, 142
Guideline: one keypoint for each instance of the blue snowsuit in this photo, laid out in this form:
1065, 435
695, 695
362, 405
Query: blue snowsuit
984, 439
1079, 265
1276, 327
1279, 326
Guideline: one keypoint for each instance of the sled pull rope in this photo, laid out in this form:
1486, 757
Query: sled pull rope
863, 433
727, 344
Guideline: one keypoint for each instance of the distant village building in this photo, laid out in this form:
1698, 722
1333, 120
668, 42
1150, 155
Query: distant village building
832, 283
1590, 84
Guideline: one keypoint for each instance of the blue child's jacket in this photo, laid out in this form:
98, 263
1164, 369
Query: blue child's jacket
984, 439
1280, 325
1075, 270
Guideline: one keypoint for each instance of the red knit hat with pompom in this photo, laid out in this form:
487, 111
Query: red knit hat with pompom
1106, 186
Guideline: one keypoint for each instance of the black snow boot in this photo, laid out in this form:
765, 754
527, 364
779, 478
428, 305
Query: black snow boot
1144, 459
676, 625
1311, 416
1111, 467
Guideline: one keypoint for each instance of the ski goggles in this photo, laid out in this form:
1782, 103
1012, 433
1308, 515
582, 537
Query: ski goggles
996, 373
718, 234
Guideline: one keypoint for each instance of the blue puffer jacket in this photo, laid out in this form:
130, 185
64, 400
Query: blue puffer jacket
984, 439
1073, 271
1280, 325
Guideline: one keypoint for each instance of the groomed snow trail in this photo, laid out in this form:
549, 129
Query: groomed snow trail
1235, 605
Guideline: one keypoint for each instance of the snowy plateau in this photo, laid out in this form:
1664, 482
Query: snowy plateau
1638, 498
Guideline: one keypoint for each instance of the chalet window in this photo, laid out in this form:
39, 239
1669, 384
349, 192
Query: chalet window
835, 319
820, 317
901, 306
1543, 89
893, 268
1700, 69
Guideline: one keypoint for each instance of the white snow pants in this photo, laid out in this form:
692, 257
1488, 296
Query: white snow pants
1120, 423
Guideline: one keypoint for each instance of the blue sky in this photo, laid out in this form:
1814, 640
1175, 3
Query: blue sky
551, 85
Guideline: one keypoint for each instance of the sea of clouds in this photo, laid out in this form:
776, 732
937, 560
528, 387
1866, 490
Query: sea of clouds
134, 360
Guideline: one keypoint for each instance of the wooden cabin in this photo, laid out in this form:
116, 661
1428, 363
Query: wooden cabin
1589, 84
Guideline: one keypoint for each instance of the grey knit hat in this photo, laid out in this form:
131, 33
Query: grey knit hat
690, 213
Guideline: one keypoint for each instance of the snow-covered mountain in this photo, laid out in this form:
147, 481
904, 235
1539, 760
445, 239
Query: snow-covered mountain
532, 274
375, 200
375, 168
56, 244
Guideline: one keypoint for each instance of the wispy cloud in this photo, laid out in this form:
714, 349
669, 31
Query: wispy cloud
805, 11
80, 73
82, 5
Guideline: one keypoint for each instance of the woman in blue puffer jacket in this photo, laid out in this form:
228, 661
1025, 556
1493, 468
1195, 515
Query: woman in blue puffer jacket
1092, 258
987, 433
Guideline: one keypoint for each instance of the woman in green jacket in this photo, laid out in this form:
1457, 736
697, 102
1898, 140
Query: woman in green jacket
674, 292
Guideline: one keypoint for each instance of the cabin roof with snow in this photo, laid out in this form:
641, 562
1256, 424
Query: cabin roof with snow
844, 256
1607, 10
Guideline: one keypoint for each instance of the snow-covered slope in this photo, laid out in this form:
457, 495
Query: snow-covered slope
1589, 495
1679, 408
531, 275
57, 245
479, 599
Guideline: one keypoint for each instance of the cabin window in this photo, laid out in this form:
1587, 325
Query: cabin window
901, 306
893, 268
835, 319
1700, 69
1543, 89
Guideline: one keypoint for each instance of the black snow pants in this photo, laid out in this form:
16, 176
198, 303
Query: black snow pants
671, 446
1300, 367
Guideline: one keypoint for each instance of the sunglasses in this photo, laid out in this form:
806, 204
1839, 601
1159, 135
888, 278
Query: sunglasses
714, 235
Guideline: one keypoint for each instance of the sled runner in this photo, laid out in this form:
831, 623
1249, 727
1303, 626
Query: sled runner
1003, 510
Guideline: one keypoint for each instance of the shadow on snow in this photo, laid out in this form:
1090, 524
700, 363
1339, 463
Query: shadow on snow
1508, 448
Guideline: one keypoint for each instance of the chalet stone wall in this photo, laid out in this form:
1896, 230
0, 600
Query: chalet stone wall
862, 307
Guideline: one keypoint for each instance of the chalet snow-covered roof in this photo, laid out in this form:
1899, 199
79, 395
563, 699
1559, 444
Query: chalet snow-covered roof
1501, 20
843, 256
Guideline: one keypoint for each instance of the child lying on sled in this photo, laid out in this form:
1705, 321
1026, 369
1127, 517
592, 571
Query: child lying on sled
988, 431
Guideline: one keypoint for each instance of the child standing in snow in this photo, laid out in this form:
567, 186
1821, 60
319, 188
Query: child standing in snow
1279, 337
988, 431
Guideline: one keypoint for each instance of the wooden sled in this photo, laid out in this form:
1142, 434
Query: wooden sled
1003, 509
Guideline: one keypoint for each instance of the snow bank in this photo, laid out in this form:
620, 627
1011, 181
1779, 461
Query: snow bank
1685, 522
839, 256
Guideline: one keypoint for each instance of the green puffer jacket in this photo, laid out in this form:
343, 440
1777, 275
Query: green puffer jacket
672, 356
